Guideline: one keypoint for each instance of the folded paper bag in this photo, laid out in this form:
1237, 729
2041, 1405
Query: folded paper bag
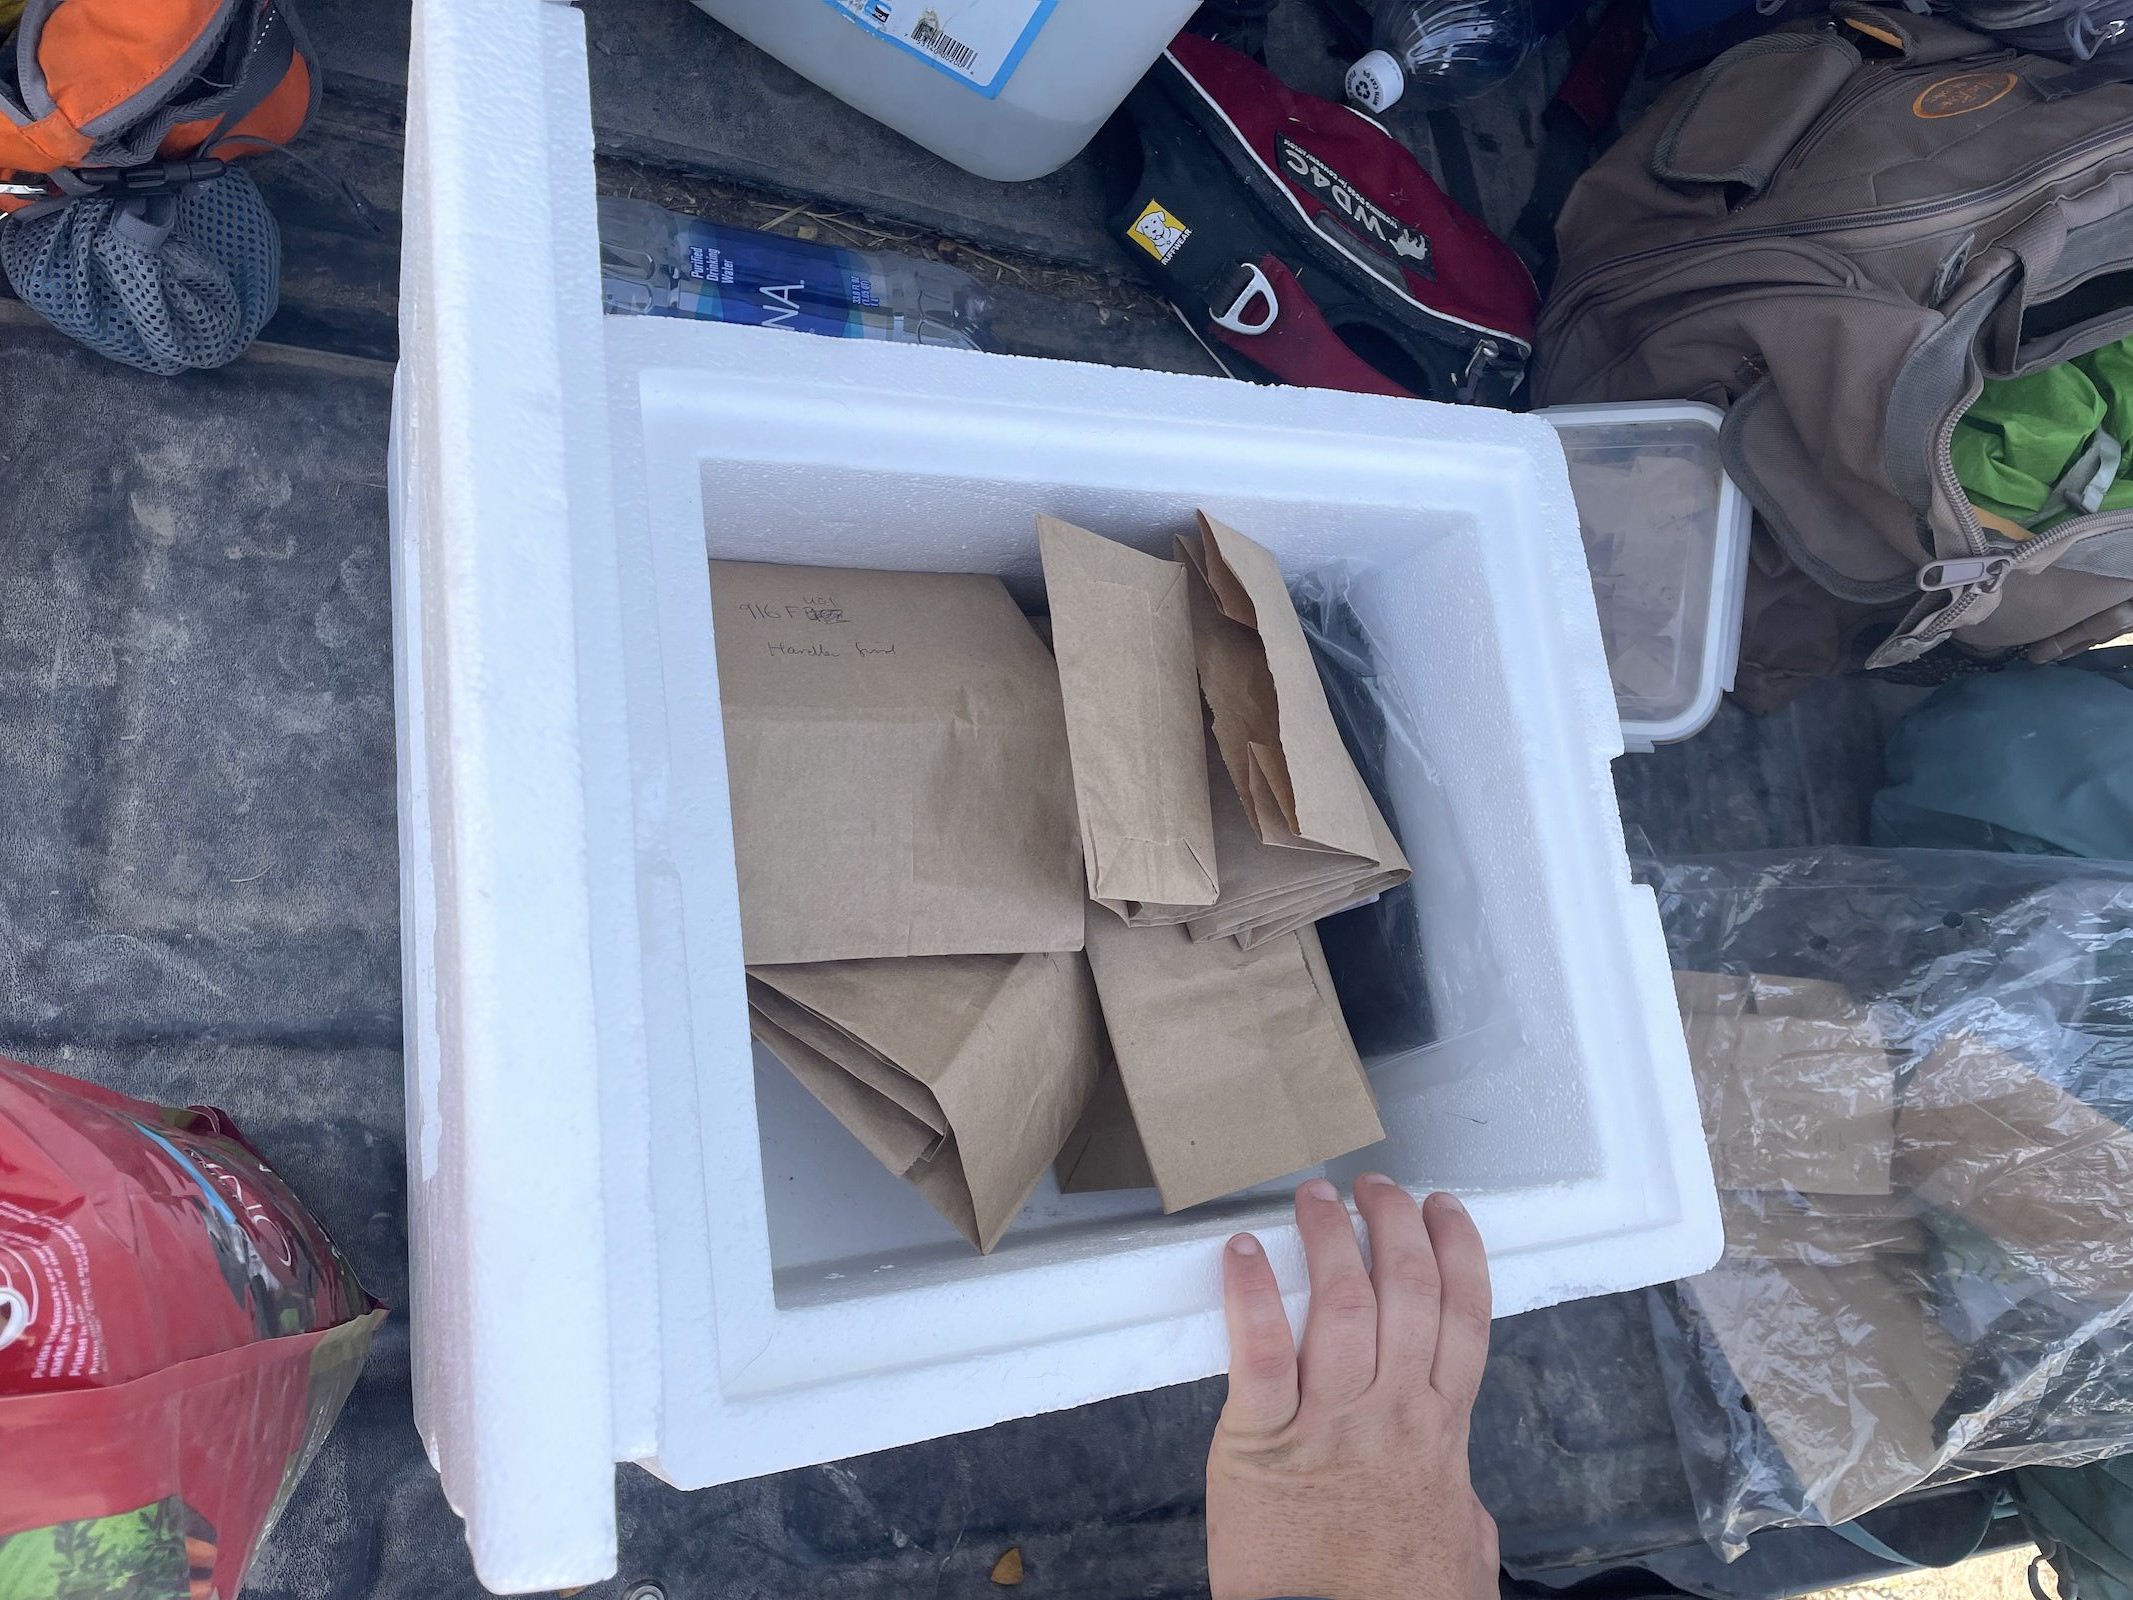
964, 1074
887, 1110
1122, 632
1236, 1062
1796, 1087
1276, 732
1104, 1150
1298, 836
1846, 1367
1983, 1137
896, 752
1807, 1106
1820, 1230
1269, 890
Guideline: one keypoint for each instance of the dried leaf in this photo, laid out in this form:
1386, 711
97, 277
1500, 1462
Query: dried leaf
1007, 1571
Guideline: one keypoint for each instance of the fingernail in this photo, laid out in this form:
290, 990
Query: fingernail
1320, 1189
1451, 1202
1244, 1245
1375, 1177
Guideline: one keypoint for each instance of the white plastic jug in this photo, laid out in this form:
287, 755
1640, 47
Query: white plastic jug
1006, 89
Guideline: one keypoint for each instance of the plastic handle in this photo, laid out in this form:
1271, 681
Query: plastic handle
1249, 293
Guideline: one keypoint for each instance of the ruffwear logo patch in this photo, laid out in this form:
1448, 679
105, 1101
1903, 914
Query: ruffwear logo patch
1962, 94
1159, 233
1377, 226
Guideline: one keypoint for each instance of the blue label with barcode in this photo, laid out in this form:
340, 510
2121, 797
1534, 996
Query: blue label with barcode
976, 43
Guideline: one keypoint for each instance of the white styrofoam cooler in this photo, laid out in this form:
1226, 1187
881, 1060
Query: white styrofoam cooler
633, 1242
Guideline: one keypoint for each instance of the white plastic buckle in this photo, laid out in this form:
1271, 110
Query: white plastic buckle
1965, 572
1250, 285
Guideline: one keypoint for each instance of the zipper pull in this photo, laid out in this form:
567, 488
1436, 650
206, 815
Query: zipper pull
1470, 380
1983, 573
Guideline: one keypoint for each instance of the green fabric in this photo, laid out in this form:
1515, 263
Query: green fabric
2018, 441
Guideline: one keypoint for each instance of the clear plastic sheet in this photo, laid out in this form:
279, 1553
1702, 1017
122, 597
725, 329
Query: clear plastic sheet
1403, 992
1916, 1069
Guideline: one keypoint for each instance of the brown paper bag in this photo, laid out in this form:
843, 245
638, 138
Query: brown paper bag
1001, 1054
1809, 1106
1104, 1151
1322, 844
897, 1138
1237, 1062
1819, 1230
864, 1076
1846, 1366
896, 750
1122, 631
1815, 999
2048, 1178
1273, 725
1797, 1091
1269, 890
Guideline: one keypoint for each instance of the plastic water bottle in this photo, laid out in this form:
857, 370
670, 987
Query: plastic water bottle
654, 262
1440, 51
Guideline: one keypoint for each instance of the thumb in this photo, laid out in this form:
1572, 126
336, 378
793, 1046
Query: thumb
1262, 1352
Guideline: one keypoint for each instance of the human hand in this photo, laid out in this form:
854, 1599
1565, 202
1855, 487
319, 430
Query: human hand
1341, 1473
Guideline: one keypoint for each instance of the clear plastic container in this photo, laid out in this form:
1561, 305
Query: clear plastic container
1007, 89
1666, 536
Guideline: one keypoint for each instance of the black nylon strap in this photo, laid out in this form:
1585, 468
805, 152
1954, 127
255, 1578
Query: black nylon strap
2096, 73
266, 63
1566, 150
1455, 163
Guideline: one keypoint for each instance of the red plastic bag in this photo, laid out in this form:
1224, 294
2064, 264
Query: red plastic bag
176, 1337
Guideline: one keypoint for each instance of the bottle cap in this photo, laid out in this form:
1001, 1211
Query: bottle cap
1376, 81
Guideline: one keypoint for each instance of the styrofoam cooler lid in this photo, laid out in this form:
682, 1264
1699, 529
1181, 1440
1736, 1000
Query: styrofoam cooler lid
1666, 537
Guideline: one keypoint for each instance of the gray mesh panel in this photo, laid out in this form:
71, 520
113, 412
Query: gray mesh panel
163, 284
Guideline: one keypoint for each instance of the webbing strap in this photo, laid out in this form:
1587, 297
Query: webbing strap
266, 64
1967, 1545
2095, 73
2103, 555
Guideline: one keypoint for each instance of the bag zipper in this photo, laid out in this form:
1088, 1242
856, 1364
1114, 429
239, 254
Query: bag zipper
1970, 577
1878, 75
1977, 540
1974, 577
1892, 74
1567, 296
1991, 559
